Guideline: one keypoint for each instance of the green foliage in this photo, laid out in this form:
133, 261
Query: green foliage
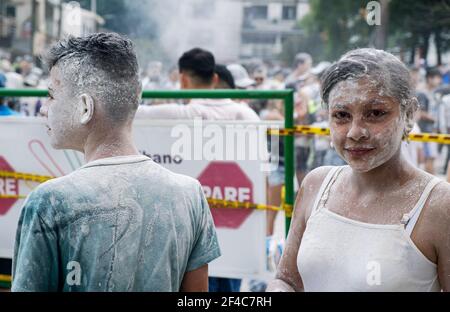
341, 26
413, 21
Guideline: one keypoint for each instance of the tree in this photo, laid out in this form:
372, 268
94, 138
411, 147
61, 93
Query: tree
342, 25
413, 22
310, 42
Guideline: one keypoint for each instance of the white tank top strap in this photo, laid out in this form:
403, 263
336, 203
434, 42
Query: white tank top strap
410, 219
322, 195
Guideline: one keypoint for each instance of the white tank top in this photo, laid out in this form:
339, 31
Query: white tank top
341, 254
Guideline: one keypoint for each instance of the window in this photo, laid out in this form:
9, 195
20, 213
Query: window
289, 12
10, 11
256, 12
258, 38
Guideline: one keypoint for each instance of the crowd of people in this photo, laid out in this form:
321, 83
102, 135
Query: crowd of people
20, 73
197, 69
432, 88
105, 224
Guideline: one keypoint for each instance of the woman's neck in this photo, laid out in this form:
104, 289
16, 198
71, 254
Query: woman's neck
393, 174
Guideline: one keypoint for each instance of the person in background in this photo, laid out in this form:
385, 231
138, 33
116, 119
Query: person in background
225, 78
197, 71
241, 77
428, 116
4, 108
321, 143
301, 73
222, 284
444, 99
413, 151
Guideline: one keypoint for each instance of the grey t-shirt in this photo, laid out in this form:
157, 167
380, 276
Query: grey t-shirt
115, 224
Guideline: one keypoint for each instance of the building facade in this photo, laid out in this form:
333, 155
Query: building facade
232, 29
267, 24
29, 26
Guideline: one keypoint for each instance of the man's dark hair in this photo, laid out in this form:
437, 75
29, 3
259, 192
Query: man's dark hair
199, 64
432, 72
225, 76
103, 65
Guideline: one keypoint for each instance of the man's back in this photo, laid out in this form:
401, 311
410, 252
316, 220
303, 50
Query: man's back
207, 109
114, 225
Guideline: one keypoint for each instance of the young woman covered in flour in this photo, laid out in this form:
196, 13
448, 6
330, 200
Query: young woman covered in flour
378, 224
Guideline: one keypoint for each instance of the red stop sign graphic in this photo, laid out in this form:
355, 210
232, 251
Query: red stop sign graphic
8, 187
226, 180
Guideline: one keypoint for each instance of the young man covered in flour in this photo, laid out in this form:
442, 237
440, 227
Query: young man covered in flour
121, 222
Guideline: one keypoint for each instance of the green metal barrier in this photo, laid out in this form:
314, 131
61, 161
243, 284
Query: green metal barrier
286, 95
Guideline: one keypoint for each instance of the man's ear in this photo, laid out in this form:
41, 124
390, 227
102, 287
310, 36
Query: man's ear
215, 80
184, 81
87, 106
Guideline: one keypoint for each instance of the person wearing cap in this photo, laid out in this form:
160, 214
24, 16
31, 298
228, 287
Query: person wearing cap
5, 110
223, 284
225, 78
197, 71
302, 66
241, 77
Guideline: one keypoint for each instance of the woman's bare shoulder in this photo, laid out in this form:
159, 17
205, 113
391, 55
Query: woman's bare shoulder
439, 204
310, 188
316, 176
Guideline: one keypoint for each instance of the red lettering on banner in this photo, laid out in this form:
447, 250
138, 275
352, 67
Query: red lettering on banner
227, 181
8, 188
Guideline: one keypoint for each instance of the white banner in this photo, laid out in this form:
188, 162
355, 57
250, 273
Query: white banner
185, 148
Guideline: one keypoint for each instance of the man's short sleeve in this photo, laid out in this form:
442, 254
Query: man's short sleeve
35, 262
206, 246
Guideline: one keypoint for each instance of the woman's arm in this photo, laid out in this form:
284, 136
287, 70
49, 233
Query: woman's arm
441, 235
288, 278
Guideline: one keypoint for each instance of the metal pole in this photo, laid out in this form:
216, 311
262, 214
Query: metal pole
289, 158
176, 94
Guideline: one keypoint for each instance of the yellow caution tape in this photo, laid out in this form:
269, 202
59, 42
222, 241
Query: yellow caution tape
5, 278
288, 209
24, 176
216, 203
419, 137
12, 197
220, 203
299, 130
430, 137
